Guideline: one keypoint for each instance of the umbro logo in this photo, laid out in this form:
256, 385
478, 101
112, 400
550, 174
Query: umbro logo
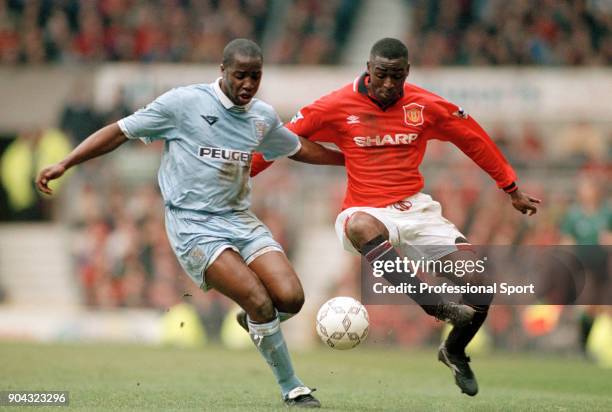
352, 119
210, 119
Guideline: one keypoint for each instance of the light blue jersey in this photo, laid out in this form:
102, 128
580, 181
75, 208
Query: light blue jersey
208, 145
204, 171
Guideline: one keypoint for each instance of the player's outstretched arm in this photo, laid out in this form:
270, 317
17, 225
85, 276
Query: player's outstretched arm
317, 154
524, 203
103, 141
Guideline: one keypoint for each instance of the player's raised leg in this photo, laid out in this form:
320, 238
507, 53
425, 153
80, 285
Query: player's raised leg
371, 238
452, 350
230, 275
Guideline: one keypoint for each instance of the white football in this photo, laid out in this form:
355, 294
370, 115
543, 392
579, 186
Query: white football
342, 323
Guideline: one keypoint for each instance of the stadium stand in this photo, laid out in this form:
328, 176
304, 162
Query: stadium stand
167, 31
567, 32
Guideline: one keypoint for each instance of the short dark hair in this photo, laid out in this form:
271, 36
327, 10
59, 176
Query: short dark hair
389, 48
243, 47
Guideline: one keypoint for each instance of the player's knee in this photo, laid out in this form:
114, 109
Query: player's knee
259, 306
290, 301
362, 227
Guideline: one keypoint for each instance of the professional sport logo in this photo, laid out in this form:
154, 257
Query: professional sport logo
413, 114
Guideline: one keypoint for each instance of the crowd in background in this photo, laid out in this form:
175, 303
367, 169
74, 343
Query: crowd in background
440, 32
497, 32
92, 31
40, 31
313, 31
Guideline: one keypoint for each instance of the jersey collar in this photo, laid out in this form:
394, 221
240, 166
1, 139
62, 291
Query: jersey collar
225, 101
360, 85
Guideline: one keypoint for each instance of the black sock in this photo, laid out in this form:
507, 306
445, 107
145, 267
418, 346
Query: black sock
459, 337
380, 249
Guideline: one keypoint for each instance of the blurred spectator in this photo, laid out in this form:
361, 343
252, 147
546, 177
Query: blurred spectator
119, 109
588, 224
589, 221
78, 118
493, 32
19, 165
581, 143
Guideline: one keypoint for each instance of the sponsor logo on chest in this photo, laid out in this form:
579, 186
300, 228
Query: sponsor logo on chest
386, 139
229, 155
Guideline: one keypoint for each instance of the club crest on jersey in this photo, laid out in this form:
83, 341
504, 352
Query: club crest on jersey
413, 114
260, 128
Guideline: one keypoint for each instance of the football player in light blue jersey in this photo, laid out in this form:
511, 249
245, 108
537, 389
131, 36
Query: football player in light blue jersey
210, 132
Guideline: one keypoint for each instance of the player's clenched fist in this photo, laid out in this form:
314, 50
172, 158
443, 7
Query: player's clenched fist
46, 175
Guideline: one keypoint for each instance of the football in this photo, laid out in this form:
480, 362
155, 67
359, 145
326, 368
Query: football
342, 323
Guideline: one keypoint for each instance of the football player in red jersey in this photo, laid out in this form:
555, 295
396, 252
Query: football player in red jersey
382, 125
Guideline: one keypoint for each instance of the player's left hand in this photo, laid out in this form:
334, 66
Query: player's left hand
524, 203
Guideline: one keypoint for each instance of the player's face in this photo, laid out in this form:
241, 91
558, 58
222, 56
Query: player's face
241, 79
387, 77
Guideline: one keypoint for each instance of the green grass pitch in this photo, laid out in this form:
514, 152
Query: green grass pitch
127, 378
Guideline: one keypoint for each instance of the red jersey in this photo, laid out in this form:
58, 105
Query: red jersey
383, 147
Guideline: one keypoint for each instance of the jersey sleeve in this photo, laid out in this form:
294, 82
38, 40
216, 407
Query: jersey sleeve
155, 121
279, 142
454, 125
258, 164
313, 122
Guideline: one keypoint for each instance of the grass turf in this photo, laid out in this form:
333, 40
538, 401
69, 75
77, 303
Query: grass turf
123, 377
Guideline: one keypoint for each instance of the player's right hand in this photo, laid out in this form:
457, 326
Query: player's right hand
46, 175
524, 203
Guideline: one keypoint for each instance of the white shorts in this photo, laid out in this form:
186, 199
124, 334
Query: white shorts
416, 226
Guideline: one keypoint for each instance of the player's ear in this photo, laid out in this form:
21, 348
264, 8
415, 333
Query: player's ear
368, 67
222, 68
